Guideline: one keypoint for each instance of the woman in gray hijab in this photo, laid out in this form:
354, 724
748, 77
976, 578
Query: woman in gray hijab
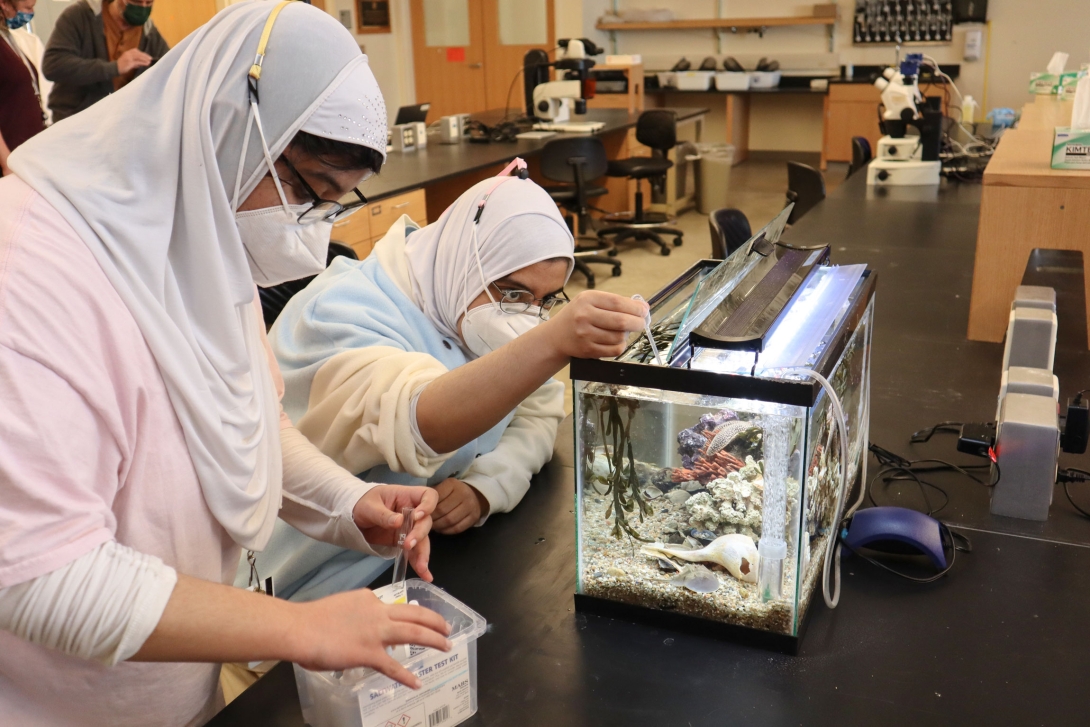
142, 445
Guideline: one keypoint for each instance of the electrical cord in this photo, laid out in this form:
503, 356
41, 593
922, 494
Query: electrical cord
895, 468
924, 435
1069, 475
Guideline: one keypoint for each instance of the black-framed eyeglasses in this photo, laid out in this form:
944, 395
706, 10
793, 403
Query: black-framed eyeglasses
513, 301
324, 209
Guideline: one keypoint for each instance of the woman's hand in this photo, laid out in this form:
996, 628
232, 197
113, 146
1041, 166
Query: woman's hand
378, 516
594, 325
460, 507
353, 629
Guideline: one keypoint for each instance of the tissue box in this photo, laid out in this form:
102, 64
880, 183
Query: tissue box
1071, 148
1044, 84
1068, 83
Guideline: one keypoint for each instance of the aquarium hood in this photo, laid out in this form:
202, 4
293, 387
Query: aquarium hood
737, 327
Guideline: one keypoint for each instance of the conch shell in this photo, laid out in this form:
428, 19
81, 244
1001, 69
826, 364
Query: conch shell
735, 552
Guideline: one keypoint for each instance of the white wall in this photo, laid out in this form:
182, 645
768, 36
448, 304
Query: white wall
1024, 33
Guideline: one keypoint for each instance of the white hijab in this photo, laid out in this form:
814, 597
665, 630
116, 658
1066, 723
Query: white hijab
520, 226
144, 177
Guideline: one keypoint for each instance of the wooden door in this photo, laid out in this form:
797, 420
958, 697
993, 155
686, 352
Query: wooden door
503, 61
449, 77
176, 19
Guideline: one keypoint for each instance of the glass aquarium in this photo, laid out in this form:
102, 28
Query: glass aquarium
708, 487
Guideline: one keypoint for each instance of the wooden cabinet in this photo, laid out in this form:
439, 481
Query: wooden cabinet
851, 109
362, 230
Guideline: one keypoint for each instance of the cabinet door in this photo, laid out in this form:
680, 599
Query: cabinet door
384, 213
354, 231
845, 120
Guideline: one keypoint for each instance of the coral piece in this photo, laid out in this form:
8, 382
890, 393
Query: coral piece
704, 471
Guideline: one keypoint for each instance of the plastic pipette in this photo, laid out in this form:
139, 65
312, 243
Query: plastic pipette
647, 330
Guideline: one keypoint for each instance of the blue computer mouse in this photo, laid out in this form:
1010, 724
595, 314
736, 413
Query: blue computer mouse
897, 530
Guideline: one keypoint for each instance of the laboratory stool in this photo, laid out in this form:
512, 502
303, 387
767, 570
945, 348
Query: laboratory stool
861, 154
729, 231
577, 161
656, 129
805, 187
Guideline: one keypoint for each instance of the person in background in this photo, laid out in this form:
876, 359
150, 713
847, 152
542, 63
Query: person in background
23, 88
98, 46
429, 363
142, 443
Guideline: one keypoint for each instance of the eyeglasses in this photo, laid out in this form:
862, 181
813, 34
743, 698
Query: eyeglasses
513, 300
323, 209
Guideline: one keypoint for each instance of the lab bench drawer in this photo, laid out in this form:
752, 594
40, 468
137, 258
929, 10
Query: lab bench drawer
354, 230
854, 92
385, 212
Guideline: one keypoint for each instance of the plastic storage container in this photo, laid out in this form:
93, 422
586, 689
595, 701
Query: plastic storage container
764, 79
695, 80
732, 81
715, 162
667, 79
366, 698
724, 450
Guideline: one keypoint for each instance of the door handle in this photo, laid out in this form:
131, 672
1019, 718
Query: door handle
475, 65
400, 206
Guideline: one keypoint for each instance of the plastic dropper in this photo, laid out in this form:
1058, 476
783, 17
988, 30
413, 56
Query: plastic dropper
647, 330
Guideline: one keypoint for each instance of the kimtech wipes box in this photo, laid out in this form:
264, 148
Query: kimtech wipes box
1071, 148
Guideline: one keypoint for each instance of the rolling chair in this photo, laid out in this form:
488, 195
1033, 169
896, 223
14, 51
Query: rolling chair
575, 162
729, 229
658, 130
273, 299
805, 187
861, 154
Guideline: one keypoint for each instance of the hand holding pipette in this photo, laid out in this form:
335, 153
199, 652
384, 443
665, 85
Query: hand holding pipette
647, 330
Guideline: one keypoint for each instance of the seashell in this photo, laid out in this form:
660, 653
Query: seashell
705, 535
667, 565
615, 572
674, 538
735, 552
696, 578
693, 544
651, 492
691, 486
678, 497
724, 435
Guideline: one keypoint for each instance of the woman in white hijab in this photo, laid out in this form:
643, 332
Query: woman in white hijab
425, 364
141, 442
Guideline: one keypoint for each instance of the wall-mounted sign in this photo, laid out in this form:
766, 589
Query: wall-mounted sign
372, 16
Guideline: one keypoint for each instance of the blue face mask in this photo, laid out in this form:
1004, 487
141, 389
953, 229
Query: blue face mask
19, 20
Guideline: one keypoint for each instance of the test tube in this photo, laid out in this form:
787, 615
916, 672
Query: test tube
647, 330
401, 562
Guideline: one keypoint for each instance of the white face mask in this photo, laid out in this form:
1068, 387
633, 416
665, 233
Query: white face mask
486, 327
278, 248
